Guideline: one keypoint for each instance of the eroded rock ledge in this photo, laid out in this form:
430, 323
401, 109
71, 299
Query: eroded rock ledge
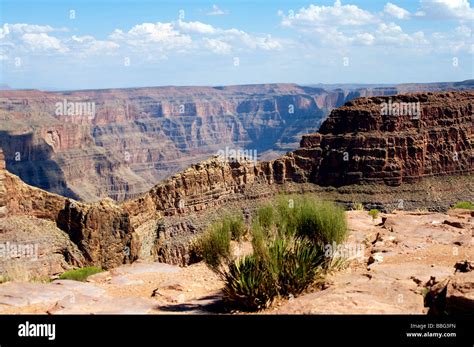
356, 145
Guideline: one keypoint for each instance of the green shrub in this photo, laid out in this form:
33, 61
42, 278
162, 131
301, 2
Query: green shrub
288, 239
465, 205
266, 216
4, 279
287, 214
288, 266
248, 285
322, 222
374, 213
214, 246
259, 241
294, 264
80, 274
235, 224
357, 206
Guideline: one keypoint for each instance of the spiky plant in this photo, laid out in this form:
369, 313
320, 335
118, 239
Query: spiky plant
248, 285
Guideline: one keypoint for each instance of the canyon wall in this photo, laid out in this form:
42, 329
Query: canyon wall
137, 137
357, 146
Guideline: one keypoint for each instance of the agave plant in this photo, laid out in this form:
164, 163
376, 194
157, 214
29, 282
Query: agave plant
295, 264
247, 285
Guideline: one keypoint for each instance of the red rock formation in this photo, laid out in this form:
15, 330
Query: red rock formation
100, 232
140, 136
357, 144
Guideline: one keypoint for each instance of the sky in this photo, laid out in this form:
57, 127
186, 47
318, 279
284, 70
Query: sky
65, 45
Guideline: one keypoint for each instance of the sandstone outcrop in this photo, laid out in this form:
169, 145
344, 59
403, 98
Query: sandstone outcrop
356, 145
137, 137
414, 247
65, 232
453, 295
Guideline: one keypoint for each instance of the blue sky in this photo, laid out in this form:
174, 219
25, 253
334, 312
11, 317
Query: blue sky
106, 44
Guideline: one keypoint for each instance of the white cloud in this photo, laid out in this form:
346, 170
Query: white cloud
43, 42
217, 46
30, 38
396, 11
239, 38
365, 39
457, 41
345, 25
145, 41
192, 37
196, 27
87, 45
336, 15
158, 35
447, 9
393, 35
216, 11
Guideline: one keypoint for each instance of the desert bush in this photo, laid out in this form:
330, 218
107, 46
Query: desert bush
266, 216
287, 266
236, 226
374, 213
248, 284
357, 206
294, 264
322, 222
17, 271
465, 205
259, 241
288, 239
214, 246
80, 274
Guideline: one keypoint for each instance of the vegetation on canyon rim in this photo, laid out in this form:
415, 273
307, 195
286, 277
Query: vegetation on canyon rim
374, 213
288, 237
465, 205
80, 274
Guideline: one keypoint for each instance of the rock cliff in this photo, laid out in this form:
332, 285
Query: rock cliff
136, 137
357, 146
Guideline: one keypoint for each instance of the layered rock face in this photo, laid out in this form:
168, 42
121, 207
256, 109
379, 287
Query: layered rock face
62, 232
357, 144
137, 137
118, 143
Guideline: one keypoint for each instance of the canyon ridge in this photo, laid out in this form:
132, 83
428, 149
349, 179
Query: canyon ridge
394, 163
137, 137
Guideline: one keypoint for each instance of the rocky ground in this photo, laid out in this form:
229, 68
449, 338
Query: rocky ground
408, 255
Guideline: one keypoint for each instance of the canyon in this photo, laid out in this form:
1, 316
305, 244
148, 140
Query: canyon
358, 156
139, 136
